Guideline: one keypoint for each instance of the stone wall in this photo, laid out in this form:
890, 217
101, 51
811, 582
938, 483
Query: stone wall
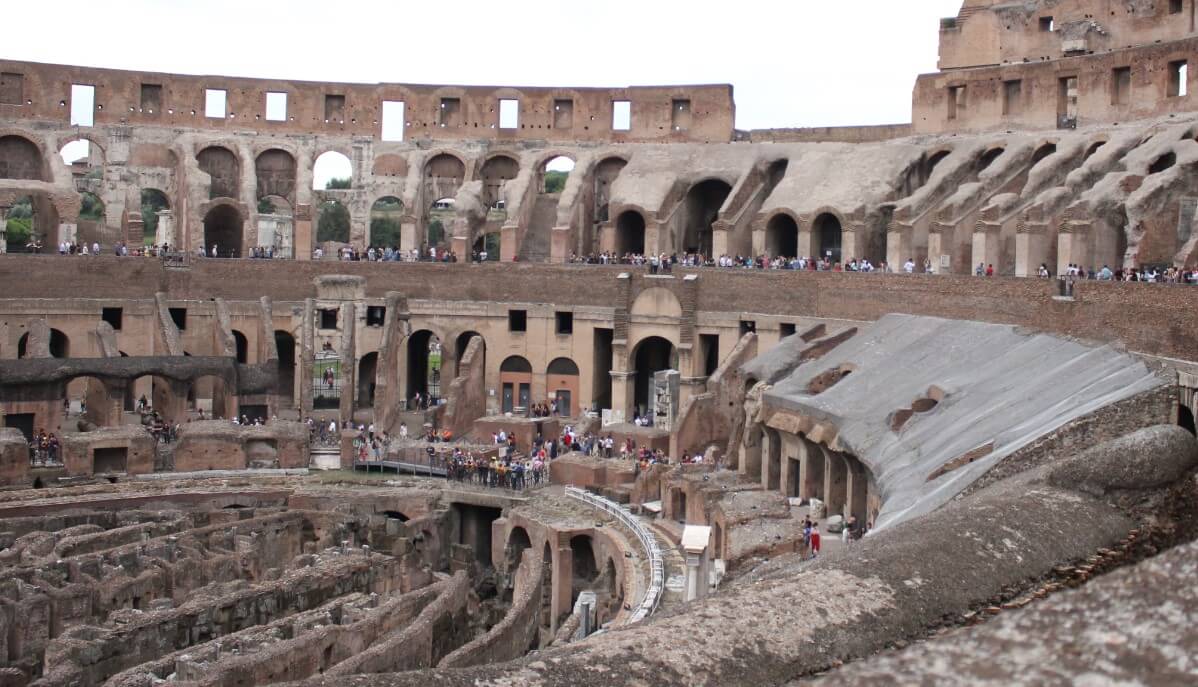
80, 451
14, 457
519, 629
220, 445
466, 400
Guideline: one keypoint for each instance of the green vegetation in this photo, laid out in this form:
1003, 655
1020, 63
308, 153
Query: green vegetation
91, 208
339, 184
555, 181
436, 232
333, 224
385, 224
20, 223
266, 207
152, 200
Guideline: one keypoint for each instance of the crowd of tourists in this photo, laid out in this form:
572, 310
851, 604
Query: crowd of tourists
664, 263
509, 472
45, 449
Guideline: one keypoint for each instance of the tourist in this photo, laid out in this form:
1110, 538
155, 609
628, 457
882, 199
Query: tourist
814, 540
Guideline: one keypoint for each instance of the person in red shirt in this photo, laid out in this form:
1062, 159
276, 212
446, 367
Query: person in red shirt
814, 541
990, 270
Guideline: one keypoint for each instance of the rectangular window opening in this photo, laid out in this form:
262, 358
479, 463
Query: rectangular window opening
451, 112
1121, 86
1175, 6
747, 326
83, 105
334, 109
376, 315
215, 103
276, 107
621, 115
1012, 97
564, 322
956, 102
709, 346
151, 98
517, 320
1179, 76
12, 88
393, 114
179, 317
563, 114
1047, 24
328, 318
112, 316
509, 114
680, 115
786, 329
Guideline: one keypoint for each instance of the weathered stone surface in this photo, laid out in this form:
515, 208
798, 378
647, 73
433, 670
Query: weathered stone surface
1150, 458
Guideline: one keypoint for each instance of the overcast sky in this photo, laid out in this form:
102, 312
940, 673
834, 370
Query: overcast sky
792, 62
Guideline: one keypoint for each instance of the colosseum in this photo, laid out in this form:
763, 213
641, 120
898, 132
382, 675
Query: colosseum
586, 386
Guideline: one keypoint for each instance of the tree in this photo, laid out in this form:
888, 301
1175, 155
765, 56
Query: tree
266, 207
91, 208
339, 184
436, 232
384, 232
333, 224
152, 201
555, 181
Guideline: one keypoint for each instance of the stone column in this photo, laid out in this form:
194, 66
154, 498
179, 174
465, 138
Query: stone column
806, 240
986, 248
349, 367
165, 231
623, 392
508, 238
693, 583
306, 358
66, 232
4, 228
303, 232
563, 579
1031, 249
835, 482
408, 235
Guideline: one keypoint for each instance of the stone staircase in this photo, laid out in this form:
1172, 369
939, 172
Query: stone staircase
674, 563
536, 244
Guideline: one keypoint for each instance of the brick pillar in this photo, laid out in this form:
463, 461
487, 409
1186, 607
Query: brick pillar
835, 482
563, 580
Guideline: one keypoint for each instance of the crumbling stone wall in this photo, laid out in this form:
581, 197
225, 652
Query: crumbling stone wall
519, 629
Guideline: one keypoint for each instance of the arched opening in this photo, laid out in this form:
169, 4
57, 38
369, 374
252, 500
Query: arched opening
242, 346
386, 222
988, 158
1162, 163
496, 173
154, 398
554, 174
156, 227
395, 515
60, 345
782, 236
584, 568
443, 176
332, 171
614, 592
605, 174
828, 233
703, 203
87, 399
223, 232
440, 222
424, 368
1185, 419
85, 159
1093, 149
367, 367
459, 350
224, 169
517, 543
547, 618
333, 223
275, 171
1043, 152
561, 383
630, 233
515, 380
285, 343
678, 504
652, 355
20, 158
772, 470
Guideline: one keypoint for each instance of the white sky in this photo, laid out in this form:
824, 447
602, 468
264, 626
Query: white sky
791, 62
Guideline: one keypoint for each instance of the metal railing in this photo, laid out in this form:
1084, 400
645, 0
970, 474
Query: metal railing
652, 596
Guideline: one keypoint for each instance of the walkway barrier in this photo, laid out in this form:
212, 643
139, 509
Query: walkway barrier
649, 601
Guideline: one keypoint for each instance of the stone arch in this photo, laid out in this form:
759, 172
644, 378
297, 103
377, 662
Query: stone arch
630, 233
828, 231
459, 349
496, 172
424, 365
224, 168
332, 166
152, 201
213, 395
83, 155
584, 568
241, 346
561, 382
21, 158
285, 345
60, 345
515, 382
390, 165
386, 222
276, 170
987, 158
782, 236
658, 302
701, 207
518, 542
224, 228
161, 394
553, 171
606, 171
1043, 151
650, 355
93, 392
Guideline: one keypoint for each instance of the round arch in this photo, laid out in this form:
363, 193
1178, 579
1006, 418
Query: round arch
242, 347
829, 235
497, 171
223, 231
224, 168
60, 345
553, 170
650, 356
285, 345
459, 349
386, 222
518, 542
367, 369
630, 233
782, 236
332, 170
424, 367
702, 206
21, 158
515, 381
275, 170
